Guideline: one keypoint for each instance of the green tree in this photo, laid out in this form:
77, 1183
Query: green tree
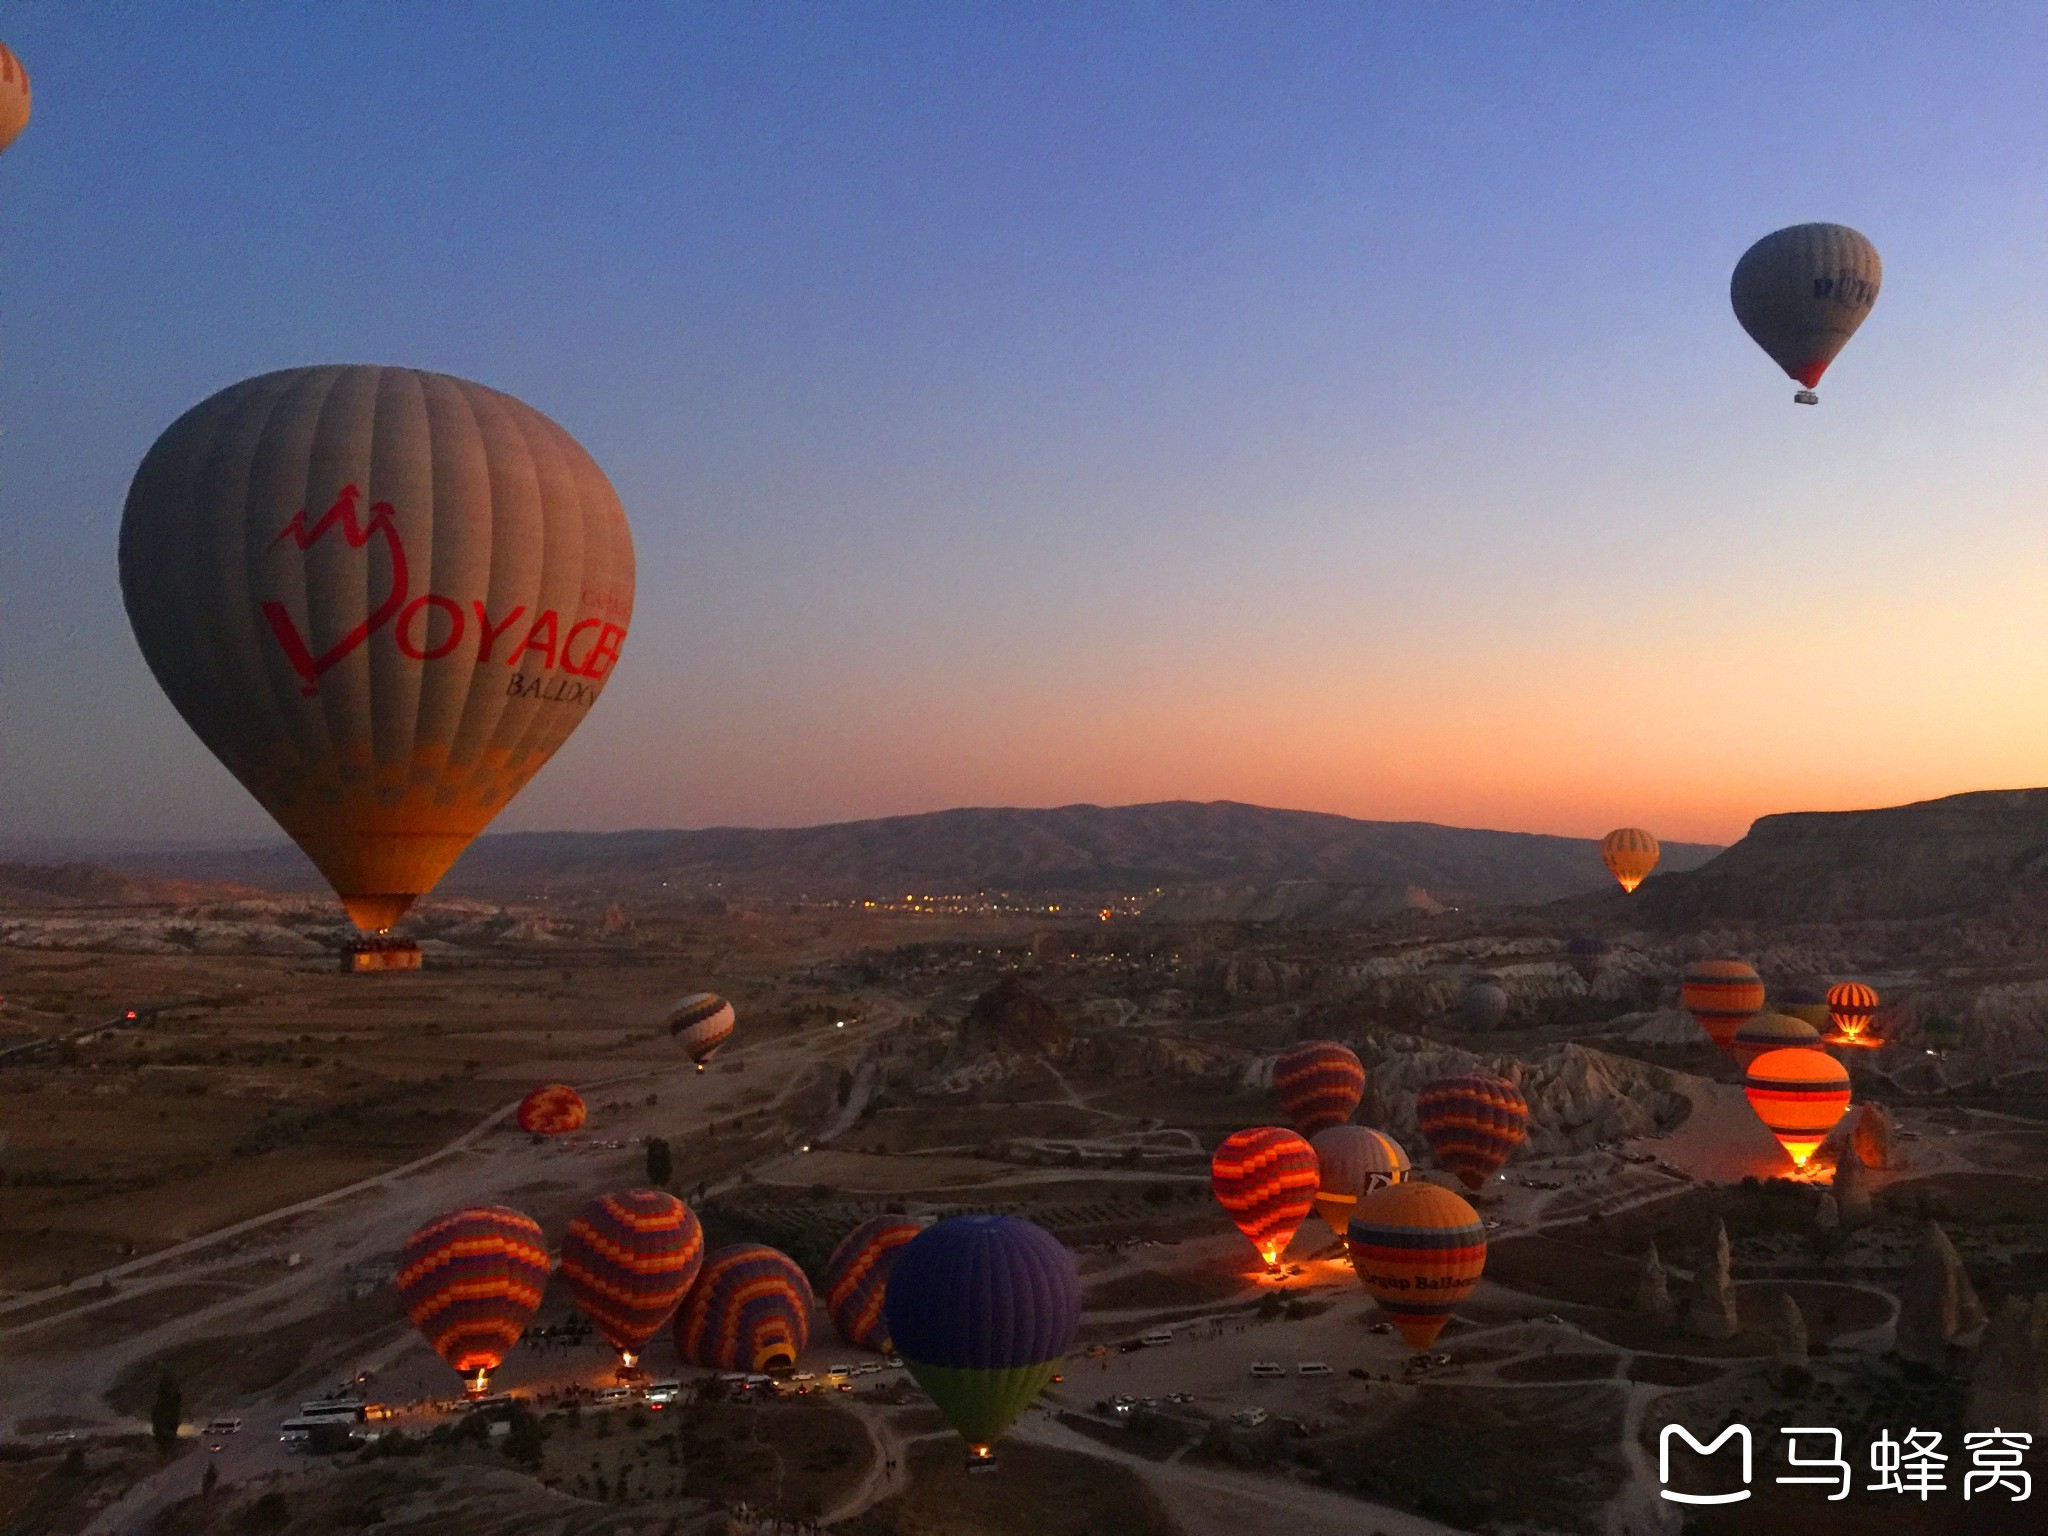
661, 1162
167, 1413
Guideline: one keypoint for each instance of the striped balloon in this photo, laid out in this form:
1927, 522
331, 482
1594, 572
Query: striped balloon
1630, 854
1721, 995
700, 1024
981, 1309
1265, 1178
1809, 1004
628, 1260
1852, 1005
554, 1110
1418, 1250
857, 1275
750, 1310
1351, 1162
1319, 1083
1799, 1095
1772, 1032
471, 1281
1473, 1123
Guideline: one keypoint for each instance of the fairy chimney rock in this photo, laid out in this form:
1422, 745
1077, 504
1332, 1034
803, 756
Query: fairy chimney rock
1875, 1137
1653, 1286
1852, 1191
1939, 1314
2009, 1384
1715, 1314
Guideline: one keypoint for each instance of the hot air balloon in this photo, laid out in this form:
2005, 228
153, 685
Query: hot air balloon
1483, 1006
554, 1110
1418, 1250
700, 1024
1852, 1005
1351, 1162
749, 1310
1265, 1178
981, 1308
1721, 995
382, 598
471, 1281
14, 97
629, 1260
857, 1278
1630, 854
1772, 1032
1807, 1004
1799, 1095
1587, 952
1801, 292
1472, 1124
1320, 1083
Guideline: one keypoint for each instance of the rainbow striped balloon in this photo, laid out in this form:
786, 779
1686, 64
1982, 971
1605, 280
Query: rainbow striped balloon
1473, 1123
1852, 1006
1772, 1032
471, 1281
1418, 1250
700, 1024
629, 1260
554, 1110
750, 1310
857, 1276
1352, 1161
1319, 1083
1799, 1095
1265, 1177
1721, 995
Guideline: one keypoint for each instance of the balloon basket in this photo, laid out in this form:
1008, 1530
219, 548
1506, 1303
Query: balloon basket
981, 1458
1805, 397
378, 953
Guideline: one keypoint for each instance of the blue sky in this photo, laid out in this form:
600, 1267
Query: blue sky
1322, 406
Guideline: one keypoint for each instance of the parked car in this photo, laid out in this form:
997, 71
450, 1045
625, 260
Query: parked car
1312, 1368
1157, 1337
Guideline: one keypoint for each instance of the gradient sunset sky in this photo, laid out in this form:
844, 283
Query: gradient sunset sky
1334, 407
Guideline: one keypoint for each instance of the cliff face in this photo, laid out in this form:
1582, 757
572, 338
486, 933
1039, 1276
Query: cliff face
1965, 853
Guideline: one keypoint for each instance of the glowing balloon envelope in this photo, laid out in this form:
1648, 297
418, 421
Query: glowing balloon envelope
14, 97
471, 1281
749, 1310
1351, 1162
700, 1024
1772, 1032
1630, 854
1851, 1006
1418, 1250
1799, 1095
1473, 1124
554, 1110
981, 1309
629, 1260
857, 1279
1319, 1083
382, 598
1265, 1180
1721, 995
1801, 292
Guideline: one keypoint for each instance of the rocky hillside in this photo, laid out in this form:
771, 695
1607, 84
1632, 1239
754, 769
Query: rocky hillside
1963, 854
1229, 852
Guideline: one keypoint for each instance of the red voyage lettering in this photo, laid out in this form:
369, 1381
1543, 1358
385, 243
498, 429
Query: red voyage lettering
413, 610
487, 632
534, 642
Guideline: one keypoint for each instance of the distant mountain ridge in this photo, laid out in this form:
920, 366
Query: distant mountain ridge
1081, 850
1959, 854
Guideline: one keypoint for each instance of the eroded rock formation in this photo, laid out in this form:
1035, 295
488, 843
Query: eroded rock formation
1940, 1317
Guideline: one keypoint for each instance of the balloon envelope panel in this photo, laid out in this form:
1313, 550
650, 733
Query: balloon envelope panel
857, 1279
554, 1110
1721, 995
629, 1259
1319, 1084
382, 598
1351, 1162
1418, 1250
749, 1310
471, 1281
700, 1024
1772, 1032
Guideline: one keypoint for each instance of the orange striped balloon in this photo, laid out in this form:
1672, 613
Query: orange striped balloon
1852, 1005
554, 1110
1319, 1083
1473, 1123
857, 1279
1418, 1250
629, 1260
471, 1281
1721, 995
749, 1310
1772, 1032
1630, 854
1799, 1095
1265, 1177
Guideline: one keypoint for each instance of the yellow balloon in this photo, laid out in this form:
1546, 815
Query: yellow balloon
382, 598
1630, 854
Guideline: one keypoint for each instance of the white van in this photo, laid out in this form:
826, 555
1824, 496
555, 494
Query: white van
1157, 1337
1268, 1370
1311, 1368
